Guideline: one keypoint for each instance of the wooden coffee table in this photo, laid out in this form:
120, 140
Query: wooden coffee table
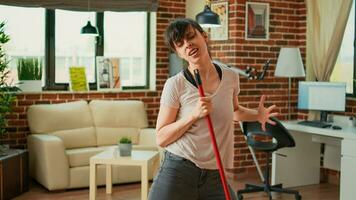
112, 157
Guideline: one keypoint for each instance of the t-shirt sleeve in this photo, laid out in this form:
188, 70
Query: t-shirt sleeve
170, 96
237, 85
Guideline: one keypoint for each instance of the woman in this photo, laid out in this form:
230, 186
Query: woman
189, 170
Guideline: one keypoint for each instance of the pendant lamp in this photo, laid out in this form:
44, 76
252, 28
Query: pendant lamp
89, 29
208, 18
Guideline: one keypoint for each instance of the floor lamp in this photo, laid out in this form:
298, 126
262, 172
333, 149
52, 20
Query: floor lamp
289, 64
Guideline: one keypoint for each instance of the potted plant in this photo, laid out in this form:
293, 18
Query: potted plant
125, 146
7, 91
29, 71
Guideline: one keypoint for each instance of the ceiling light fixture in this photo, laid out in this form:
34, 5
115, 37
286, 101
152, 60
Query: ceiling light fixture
208, 18
89, 29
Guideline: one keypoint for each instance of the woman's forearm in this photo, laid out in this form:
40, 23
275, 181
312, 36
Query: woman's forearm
172, 132
245, 114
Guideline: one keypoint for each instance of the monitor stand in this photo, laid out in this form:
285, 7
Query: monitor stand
324, 116
322, 123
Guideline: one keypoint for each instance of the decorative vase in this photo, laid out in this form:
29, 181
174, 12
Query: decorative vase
30, 85
125, 149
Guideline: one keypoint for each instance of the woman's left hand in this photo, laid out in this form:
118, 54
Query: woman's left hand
264, 113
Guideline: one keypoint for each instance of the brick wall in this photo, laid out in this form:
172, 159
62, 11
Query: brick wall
287, 28
18, 129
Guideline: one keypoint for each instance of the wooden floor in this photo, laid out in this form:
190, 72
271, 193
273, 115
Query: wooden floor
323, 191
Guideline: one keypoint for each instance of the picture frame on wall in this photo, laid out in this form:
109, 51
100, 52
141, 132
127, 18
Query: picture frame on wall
222, 9
257, 21
108, 73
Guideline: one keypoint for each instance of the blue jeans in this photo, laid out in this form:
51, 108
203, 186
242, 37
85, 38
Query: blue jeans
180, 179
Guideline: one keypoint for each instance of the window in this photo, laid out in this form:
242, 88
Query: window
344, 70
26, 29
54, 35
126, 37
72, 48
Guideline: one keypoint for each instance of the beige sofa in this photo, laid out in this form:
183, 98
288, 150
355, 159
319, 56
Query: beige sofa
64, 136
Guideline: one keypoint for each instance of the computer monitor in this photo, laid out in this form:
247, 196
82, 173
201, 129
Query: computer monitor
322, 96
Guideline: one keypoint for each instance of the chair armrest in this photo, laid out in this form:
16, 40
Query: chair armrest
48, 161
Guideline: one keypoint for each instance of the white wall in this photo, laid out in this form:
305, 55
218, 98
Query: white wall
193, 7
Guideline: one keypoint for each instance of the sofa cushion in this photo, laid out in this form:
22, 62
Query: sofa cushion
76, 138
81, 156
111, 136
115, 119
47, 118
70, 121
119, 114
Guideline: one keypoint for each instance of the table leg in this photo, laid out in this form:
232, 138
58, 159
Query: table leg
92, 187
144, 181
108, 179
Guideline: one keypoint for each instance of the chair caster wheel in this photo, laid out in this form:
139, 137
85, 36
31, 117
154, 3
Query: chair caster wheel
298, 197
240, 197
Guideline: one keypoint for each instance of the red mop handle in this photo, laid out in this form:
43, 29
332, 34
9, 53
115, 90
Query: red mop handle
212, 137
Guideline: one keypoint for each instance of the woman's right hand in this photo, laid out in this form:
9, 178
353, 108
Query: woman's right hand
202, 108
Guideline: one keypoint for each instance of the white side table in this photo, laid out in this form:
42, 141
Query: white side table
112, 157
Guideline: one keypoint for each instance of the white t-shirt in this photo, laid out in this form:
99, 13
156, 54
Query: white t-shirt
195, 145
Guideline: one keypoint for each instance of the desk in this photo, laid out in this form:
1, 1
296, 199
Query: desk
301, 166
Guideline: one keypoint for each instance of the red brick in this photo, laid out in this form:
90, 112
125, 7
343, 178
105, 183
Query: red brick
124, 95
49, 96
33, 96
110, 95
25, 103
65, 96
96, 95
81, 96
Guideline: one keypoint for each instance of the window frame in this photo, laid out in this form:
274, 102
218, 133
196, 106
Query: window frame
354, 78
148, 57
50, 69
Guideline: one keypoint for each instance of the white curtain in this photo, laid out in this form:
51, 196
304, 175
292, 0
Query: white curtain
326, 22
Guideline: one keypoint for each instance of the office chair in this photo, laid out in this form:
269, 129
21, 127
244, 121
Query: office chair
282, 138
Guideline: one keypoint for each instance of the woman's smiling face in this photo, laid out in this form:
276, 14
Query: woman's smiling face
193, 45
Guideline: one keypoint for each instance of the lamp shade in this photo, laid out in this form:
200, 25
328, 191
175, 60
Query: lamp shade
89, 30
289, 63
208, 18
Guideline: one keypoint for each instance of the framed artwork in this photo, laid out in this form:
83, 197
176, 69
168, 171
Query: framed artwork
257, 21
78, 79
222, 32
108, 73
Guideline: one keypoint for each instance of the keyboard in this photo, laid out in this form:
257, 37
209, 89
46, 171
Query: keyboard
317, 124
